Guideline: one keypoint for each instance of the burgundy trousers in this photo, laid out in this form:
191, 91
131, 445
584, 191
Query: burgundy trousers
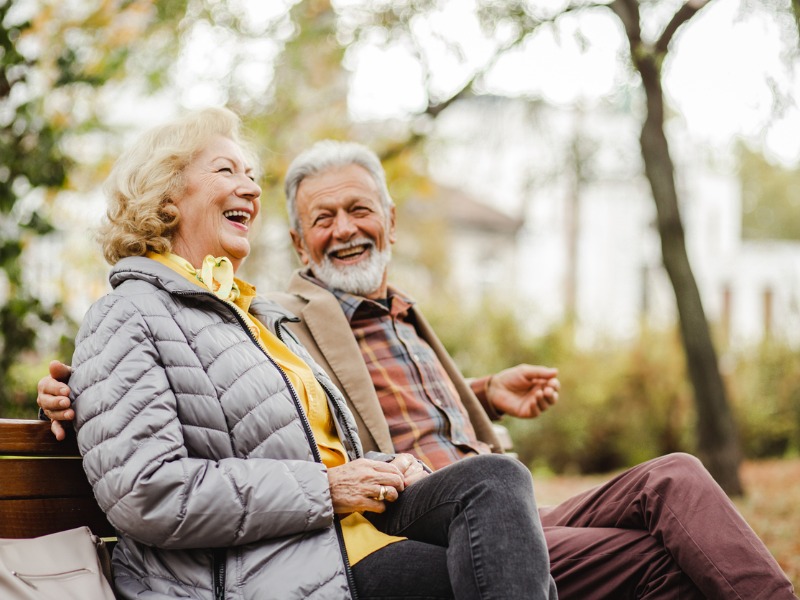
662, 530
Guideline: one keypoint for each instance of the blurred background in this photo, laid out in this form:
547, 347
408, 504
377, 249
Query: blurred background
611, 188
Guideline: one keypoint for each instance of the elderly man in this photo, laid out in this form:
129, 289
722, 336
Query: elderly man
663, 529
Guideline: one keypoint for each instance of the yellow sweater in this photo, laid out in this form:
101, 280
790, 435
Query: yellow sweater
361, 538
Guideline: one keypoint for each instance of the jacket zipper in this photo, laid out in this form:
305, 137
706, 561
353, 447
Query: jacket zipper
347, 428
218, 556
336, 520
219, 574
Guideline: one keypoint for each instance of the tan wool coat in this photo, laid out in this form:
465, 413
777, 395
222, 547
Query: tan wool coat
324, 331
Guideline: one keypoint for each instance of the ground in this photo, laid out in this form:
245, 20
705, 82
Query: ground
771, 505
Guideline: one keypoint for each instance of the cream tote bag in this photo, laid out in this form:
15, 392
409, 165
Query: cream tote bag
68, 565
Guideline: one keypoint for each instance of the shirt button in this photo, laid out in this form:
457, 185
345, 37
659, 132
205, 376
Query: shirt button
437, 402
415, 357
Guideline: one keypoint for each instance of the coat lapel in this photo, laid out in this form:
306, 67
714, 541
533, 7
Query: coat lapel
327, 335
331, 334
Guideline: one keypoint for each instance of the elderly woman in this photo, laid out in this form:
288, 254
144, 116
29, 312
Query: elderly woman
226, 459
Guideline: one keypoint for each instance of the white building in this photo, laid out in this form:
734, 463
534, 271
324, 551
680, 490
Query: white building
590, 240
473, 246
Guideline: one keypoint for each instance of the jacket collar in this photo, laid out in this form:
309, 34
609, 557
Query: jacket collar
151, 271
145, 269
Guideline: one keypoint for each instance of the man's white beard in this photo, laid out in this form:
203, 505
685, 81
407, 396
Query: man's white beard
361, 279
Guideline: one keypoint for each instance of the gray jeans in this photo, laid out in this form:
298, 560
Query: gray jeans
474, 533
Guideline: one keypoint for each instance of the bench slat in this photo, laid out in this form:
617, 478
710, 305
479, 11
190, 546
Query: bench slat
35, 517
43, 488
28, 436
42, 478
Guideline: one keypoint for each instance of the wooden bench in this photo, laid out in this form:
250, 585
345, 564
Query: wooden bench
43, 488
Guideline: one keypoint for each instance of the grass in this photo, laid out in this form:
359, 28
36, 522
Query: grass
770, 505
773, 511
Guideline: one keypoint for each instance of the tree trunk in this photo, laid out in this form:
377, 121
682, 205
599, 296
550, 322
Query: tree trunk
572, 229
717, 438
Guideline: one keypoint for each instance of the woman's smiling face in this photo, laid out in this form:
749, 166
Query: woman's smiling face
219, 203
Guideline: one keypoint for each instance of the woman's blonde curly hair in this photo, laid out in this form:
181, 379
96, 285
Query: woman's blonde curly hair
148, 177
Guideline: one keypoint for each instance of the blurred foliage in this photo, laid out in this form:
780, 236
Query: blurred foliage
307, 102
765, 384
770, 198
52, 64
30, 158
621, 403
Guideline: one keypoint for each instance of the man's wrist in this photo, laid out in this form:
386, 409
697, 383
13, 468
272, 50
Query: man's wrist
480, 386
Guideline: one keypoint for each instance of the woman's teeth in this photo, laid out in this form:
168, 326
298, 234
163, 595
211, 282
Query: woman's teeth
239, 216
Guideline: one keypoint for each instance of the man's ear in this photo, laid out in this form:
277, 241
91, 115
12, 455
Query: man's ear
392, 215
299, 247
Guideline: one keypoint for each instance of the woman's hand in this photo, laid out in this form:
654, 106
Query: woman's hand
356, 486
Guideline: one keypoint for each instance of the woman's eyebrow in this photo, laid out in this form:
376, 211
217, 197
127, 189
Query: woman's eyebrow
247, 168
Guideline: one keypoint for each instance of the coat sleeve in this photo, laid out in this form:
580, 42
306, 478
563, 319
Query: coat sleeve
135, 458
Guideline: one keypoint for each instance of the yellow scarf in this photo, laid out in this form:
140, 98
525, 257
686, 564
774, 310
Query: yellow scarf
216, 275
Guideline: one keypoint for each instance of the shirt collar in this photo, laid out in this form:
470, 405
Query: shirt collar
358, 306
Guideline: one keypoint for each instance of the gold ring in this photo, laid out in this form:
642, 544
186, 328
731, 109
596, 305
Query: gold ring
382, 495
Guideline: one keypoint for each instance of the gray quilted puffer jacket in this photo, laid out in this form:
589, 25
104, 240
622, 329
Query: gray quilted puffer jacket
194, 441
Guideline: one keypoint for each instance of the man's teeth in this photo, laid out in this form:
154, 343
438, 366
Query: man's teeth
239, 216
348, 252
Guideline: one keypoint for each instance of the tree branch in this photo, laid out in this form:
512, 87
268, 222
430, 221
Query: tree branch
685, 12
628, 13
398, 148
434, 109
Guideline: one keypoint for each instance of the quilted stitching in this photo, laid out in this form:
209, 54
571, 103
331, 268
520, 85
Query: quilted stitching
166, 392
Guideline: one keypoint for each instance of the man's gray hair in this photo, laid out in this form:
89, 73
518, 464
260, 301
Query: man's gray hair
331, 154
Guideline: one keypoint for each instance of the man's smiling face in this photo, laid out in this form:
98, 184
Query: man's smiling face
346, 232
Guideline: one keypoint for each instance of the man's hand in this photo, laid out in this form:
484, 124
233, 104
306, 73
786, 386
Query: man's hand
410, 467
524, 391
53, 398
356, 486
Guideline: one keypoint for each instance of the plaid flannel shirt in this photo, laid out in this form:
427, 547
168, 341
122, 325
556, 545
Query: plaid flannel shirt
425, 415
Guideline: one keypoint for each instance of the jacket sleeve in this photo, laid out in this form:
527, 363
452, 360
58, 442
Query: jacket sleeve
135, 458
